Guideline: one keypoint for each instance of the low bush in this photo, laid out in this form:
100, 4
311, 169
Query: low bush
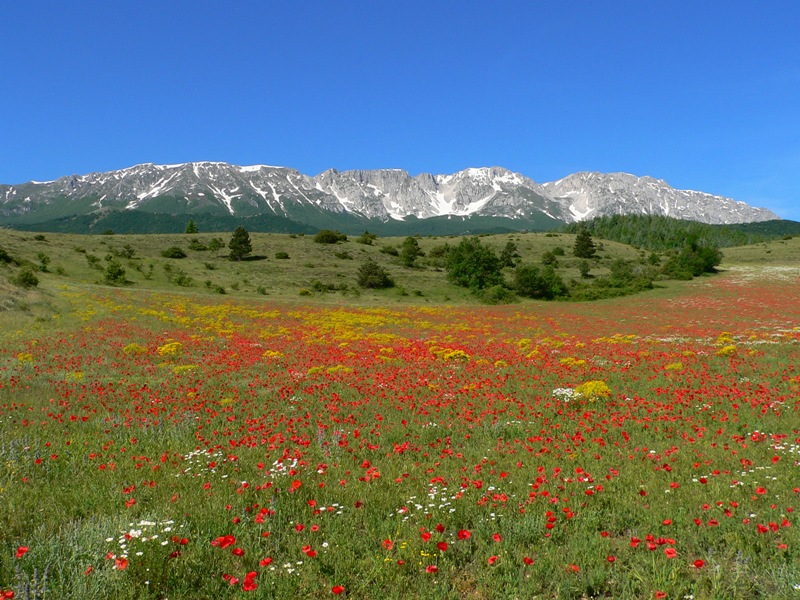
327, 236
173, 252
25, 278
372, 276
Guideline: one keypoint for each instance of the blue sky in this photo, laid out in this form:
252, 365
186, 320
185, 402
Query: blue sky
702, 94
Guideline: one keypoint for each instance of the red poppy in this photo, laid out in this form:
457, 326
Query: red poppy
464, 534
224, 541
337, 589
442, 546
492, 559
249, 583
431, 569
21, 550
698, 564
527, 560
670, 552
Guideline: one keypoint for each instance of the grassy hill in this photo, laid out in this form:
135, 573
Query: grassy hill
314, 272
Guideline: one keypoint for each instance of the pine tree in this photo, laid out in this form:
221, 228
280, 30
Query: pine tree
584, 246
239, 245
191, 226
410, 251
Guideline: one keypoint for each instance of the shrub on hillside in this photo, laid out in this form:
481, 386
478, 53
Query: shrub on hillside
473, 265
327, 236
366, 238
544, 284
25, 278
695, 259
197, 245
509, 255
410, 251
373, 276
114, 273
173, 252
5, 257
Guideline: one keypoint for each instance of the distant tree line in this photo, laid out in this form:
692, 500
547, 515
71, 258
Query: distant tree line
659, 234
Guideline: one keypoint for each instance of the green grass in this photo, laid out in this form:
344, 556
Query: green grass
206, 272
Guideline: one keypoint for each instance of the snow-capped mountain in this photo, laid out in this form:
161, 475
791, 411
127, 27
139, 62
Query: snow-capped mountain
589, 195
393, 193
381, 195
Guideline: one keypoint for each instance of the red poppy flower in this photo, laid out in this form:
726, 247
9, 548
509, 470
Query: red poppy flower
527, 560
442, 546
21, 550
249, 583
431, 569
224, 541
698, 564
464, 534
492, 559
670, 552
337, 589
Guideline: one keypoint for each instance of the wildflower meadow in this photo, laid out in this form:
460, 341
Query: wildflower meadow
162, 445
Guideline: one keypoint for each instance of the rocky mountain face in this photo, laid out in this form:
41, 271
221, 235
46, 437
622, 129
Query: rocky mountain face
383, 195
590, 195
392, 193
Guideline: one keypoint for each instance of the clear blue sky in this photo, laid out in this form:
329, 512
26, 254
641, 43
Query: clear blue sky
705, 95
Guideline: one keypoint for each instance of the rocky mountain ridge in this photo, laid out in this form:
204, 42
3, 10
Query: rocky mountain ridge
382, 195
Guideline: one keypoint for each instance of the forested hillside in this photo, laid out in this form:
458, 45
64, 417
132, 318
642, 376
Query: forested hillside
659, 233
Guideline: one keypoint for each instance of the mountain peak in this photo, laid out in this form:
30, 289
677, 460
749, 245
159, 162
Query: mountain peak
383, 194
